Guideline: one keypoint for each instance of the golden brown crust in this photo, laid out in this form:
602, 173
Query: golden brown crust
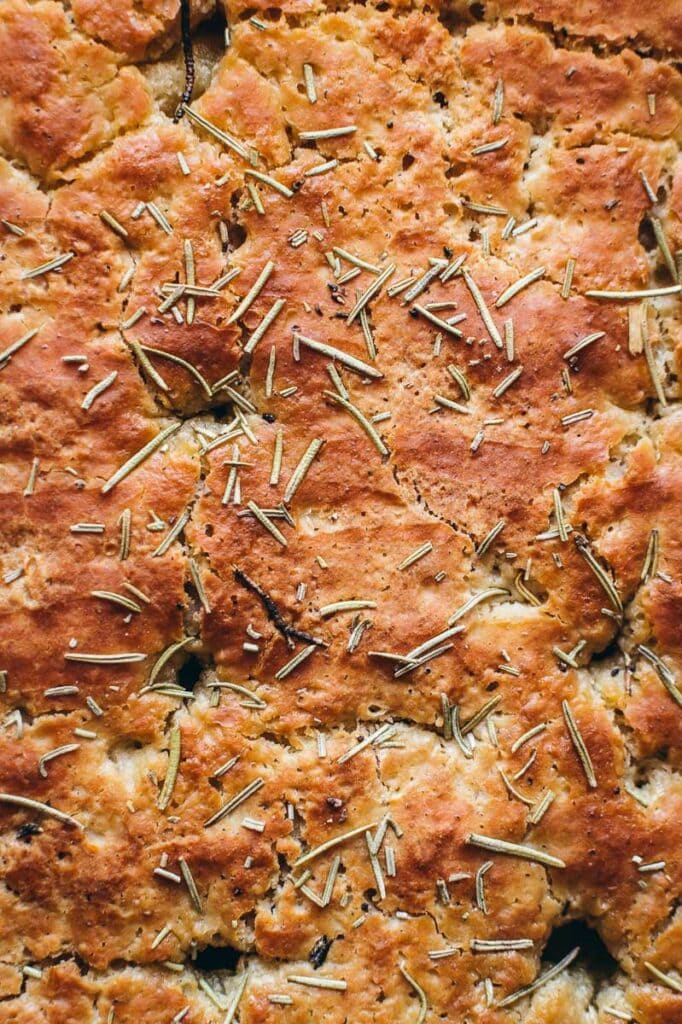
63, 96
660, 27
183, 675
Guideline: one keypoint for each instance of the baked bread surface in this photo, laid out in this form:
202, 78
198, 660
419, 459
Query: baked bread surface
275, 756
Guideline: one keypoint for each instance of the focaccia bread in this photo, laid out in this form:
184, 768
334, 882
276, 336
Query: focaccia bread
341, 561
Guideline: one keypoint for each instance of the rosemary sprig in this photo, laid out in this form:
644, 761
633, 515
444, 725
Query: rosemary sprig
139, 457
437, 320
351, 362
188, 879
105, 659
519, 285
512, 789
514, 850
664, 246
486, 317
480, 716
369, 294
267, 179
541, 808
267, 523
67, 748
650, 565
301, 470
421, 994
179, 361
663, 673
505, 384
294, 662
542, 980
604, 579
490, 537
498, 102
120, 599
97, 389
7, 353
568, 278
199, 585
39, 808
357, 261
589, 339
253, 292
460, 380
165, 657
661, 976
305, 858
370, 740
526, 736
309, 79
235, 802
267, 320
345, 606
360, 418
484, 595
45, 268
416, 555
480, 886
641, 293
227, 140
311, 981
579, 744
125, 523
499, 945
172, 770
327, 133
423, 282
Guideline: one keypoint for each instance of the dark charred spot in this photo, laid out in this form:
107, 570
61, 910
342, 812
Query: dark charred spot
27, 831
338, 807
318, 954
